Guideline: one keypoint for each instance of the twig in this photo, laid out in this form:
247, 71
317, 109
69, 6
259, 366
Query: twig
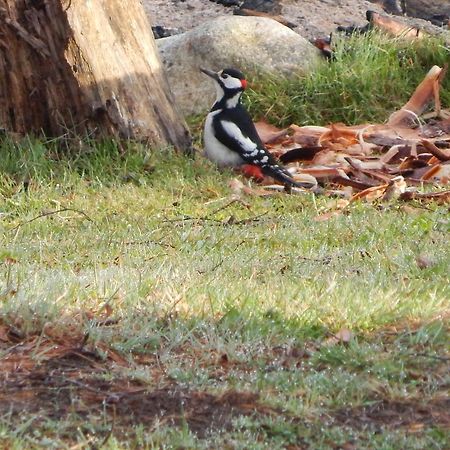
171, 309
83, 385
230, 221
426, 355
245, 221
201, 272
187, 218
147, 242
105, 323
231, 202
50, 213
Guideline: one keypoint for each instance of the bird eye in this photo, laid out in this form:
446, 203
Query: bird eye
224, 75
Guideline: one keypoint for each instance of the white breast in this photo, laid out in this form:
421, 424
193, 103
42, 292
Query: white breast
215, 150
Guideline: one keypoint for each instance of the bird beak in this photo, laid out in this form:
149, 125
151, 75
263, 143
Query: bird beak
210, 73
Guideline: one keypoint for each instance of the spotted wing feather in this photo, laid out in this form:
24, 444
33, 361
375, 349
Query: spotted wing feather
245, 141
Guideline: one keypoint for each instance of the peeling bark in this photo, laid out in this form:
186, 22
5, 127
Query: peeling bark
84, 67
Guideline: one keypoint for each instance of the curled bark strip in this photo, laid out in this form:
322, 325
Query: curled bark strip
421, 97
394, 27
440, 197
441, 154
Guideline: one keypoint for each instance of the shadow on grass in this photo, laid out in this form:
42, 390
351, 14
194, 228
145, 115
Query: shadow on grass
62, 375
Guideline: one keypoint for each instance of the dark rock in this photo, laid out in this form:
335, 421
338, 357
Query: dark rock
353, 29
428, 9
266, 6
162, 32
391, 6
440, 20
228, 2
435, 11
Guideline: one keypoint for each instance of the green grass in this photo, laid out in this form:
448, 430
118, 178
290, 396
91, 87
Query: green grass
371, 77
190, 279
191, 290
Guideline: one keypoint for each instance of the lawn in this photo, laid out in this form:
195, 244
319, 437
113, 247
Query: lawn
141, 308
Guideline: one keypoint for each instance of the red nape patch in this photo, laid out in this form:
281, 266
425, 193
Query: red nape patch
244, 84
251, 171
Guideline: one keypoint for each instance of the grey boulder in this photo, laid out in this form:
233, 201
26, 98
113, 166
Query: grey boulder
251, 44
427, 9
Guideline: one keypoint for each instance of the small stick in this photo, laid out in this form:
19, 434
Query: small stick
50, 213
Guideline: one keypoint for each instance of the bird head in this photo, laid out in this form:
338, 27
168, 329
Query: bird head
230, 83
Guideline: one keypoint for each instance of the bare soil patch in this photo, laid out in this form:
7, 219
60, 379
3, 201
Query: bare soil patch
414, 414
60, 378
56, 380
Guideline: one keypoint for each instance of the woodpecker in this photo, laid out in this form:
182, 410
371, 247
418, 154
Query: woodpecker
230, 137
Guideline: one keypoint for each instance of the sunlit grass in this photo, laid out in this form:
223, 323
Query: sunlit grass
145, 233
370, 78
189, 279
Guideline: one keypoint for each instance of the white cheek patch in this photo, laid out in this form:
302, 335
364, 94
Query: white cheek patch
232, 83
233, 101
248, 146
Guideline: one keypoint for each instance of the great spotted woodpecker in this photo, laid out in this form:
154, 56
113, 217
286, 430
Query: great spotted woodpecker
230, 137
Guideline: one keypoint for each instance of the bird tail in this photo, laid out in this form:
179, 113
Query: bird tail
282, 175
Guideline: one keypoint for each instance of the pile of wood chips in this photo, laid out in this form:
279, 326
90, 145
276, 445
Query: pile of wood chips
406, 158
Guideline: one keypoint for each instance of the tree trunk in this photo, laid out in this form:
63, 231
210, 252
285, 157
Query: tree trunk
84, 67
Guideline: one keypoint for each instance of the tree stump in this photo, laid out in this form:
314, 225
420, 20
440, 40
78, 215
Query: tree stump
84, 67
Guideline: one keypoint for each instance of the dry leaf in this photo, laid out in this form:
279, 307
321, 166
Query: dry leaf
416, 427
425, 262
236, 186
343, 336
270, 133
370, 194
4, 333
305, 178
439, 172
439, 197
328, 215
441, 154
339, 133
380, 161
323, 172
239, 188
396, 187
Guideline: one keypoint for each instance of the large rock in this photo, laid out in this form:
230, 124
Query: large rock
436, 11
251, 44
427, 9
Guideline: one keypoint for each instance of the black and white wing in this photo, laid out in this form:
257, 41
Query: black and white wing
244, 140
